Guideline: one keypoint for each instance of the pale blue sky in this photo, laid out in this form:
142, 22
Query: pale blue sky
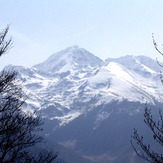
107, 28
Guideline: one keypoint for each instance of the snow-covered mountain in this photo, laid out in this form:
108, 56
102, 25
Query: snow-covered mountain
75, 76
75, 87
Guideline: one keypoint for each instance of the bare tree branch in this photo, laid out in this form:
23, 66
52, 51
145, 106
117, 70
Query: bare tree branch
145, 151
18, 130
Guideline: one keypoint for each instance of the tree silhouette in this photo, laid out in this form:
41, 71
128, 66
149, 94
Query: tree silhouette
144, 150
18, 128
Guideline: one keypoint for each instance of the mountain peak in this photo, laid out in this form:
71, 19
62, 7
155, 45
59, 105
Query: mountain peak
74, 47
137, 63
70, 57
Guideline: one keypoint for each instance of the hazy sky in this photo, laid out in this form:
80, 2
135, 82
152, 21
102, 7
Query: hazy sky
107, 28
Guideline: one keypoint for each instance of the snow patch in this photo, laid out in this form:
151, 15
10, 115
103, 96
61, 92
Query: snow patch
68, 118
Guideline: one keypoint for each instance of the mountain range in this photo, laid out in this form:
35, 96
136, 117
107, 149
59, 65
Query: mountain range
91, 106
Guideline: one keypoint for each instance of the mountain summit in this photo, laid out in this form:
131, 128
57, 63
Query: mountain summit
70, 58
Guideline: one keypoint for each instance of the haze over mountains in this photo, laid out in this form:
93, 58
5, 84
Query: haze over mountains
90, 105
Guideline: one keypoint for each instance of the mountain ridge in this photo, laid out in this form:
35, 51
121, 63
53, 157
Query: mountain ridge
125, 78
